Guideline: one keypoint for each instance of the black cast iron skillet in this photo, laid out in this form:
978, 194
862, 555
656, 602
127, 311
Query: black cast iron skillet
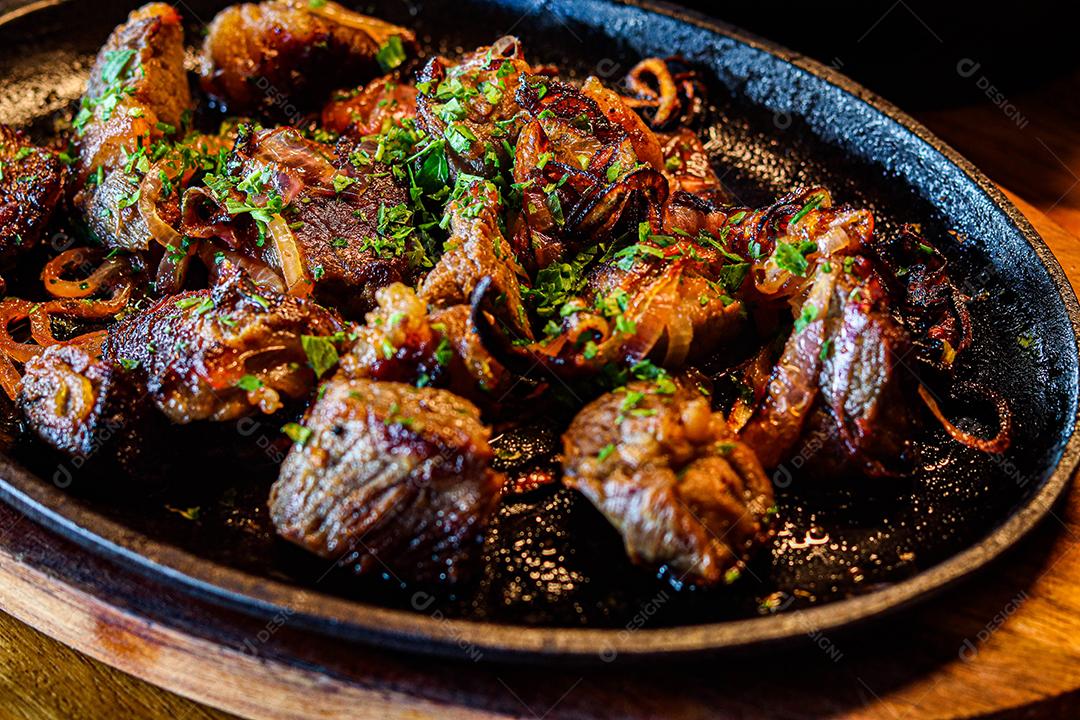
554, 582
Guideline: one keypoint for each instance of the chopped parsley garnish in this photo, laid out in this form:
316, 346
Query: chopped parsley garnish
605, 452
731, 276
791, 256
297, 432
808, 315
813, 204
341, 182
249, 383
321, 353
391, 54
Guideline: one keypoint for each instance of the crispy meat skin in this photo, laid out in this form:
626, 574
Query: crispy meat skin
393, 477
31, 187
671, 479
160, 94
74, 401
280, 56
193, 348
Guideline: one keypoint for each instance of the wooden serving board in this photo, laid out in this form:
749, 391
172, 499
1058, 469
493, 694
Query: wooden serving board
1004, 644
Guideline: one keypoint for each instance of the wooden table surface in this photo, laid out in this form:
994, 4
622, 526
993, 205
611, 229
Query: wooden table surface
1022, 619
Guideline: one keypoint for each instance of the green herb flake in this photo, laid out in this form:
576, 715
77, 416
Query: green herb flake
321, 353
249, 383
297, 433
391, 55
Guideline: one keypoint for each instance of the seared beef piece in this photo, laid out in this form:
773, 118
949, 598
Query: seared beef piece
138, 89
471, 104
365, 110
669, 299
402, 342
31, 186
687, 166
79, 404
280, 57
665, 471
477, 250
783, 243
390, 478
340, 217
196, 351
836, 398
584, 163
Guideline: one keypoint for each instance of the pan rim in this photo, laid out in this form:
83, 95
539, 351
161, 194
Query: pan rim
412, 631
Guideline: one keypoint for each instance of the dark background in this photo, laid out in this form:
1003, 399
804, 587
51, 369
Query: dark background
908, 50
1014, 110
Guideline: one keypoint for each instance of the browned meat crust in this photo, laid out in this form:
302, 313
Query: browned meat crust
31, 186
390, 478
402, 342
836, 397
345, 217
218, 354
471, 105
368, 109
584, 163
278, 57
75, 402
477, 249
666, 472
138, 88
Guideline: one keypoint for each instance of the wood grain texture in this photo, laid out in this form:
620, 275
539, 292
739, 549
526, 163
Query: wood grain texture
1005, 644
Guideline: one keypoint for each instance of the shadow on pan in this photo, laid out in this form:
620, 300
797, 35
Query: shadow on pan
555, 581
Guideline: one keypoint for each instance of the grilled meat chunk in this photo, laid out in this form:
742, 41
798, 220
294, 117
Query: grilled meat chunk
403, 342
366, 110
836, 396
335, 224
584, 163
281, 56
477, 250
688, 169
138, 90
78, 403
218, 354
31, 186
390, 478
471, 104
665, 471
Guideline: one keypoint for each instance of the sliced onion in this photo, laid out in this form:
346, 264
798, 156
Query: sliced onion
10, 380
13, 310
680, 333
997, 444
378, 30
75, 257
257, 271
297, 282
666, 100
150, 190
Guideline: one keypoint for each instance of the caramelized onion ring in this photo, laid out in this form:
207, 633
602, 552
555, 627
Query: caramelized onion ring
13, 310
997, 444
76, 257
665, 96
41, 314
9, 377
